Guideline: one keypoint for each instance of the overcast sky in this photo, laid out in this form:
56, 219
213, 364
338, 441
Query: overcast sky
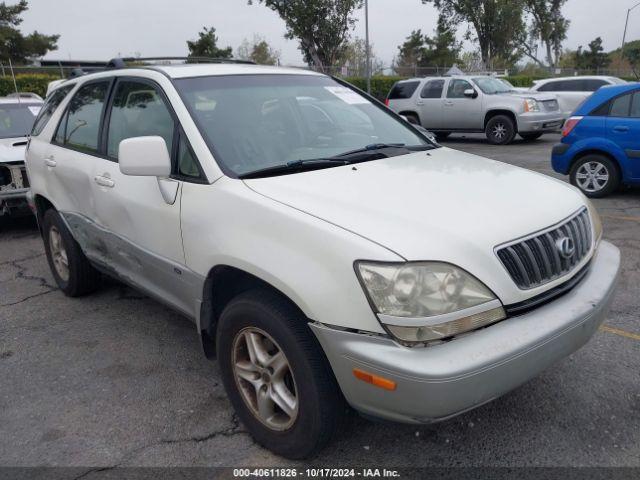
99, 30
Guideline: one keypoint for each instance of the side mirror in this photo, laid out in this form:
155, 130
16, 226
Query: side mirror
145, 157
470, 93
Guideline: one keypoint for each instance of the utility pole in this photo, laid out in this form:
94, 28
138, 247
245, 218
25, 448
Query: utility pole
368, 53
626, 24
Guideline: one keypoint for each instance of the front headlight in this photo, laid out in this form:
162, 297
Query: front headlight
423, 301
531, 105
596, 221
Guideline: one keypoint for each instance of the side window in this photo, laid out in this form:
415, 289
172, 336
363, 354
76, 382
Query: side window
620, 106
602, 110
457, 87
186, 165
635, 106
49, 107
593, 85
80, 127
551, 87
432, 89
138, 110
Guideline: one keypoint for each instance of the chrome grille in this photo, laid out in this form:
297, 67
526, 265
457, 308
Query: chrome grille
537, 259
551, 105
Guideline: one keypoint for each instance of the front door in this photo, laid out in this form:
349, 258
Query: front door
141, 226
623, 128
459, 111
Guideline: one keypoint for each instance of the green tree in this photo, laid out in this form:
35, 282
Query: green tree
420, 50
321, 26
355, 57
632, 55
594, 58
207, 45
548, 27
497, 26
258, 51
13, 44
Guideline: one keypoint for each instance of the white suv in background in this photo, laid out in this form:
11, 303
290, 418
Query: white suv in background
572, 91
327, 251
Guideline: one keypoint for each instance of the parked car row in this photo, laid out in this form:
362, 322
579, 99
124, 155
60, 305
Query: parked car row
600, 148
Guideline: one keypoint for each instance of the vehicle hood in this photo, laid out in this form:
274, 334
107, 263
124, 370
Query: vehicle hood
440, 205
540, 96
12, 149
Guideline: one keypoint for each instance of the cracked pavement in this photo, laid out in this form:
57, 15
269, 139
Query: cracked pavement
116, 379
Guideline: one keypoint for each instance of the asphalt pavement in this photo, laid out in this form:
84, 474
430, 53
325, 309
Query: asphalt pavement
117, 379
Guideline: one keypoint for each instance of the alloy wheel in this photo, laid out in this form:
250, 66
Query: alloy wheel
59, 254
264, 378
499, 131
592, 176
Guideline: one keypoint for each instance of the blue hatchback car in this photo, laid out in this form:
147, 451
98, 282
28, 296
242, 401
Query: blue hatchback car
600, 147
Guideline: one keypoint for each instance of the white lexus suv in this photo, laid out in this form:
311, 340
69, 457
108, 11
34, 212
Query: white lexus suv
328, 253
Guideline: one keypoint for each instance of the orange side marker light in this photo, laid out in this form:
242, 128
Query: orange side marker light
374, 380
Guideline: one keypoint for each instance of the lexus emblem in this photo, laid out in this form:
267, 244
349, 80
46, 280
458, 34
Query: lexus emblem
566, 247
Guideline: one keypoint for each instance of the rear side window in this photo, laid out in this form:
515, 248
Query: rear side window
635, 106
432, 89
403, 90
620, 106
50, 106
80, 127
138, 111
551, 87
593, 85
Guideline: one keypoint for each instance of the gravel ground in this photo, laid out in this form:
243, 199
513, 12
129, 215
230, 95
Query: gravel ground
116, 379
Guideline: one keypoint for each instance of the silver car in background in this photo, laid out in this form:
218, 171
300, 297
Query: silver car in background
17, 115
475, 103
572, 91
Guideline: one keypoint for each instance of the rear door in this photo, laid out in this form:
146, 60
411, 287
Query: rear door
623, 128
460, 112
429, 104
71, 159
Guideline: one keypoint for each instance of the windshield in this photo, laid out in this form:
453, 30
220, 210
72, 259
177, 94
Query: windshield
16, 119
253, 122
491, 86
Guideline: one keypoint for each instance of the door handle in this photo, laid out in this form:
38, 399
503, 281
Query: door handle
620, 128
50, 161
420, 103
104, 181
448, 104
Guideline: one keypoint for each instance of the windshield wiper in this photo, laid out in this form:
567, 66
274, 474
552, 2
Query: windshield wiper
374, 147
295, 166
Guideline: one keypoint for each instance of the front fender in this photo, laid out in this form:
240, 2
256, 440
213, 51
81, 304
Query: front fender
306, 258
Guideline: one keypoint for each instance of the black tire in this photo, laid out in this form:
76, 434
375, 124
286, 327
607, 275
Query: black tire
530, 137
588, 162
440, 136
500, 130
412, 118
82, 278
321, 407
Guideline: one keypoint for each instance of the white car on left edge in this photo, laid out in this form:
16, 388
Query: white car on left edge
17, 115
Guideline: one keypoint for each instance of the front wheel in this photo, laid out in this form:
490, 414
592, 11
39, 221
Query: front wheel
276, 375
500, 130
596, 175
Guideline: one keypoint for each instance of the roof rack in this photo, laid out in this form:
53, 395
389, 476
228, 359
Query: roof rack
122, 62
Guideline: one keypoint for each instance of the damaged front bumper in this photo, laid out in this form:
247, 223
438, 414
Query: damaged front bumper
14, 187
440, 381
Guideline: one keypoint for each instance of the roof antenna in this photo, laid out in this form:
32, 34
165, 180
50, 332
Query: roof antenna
15, 84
